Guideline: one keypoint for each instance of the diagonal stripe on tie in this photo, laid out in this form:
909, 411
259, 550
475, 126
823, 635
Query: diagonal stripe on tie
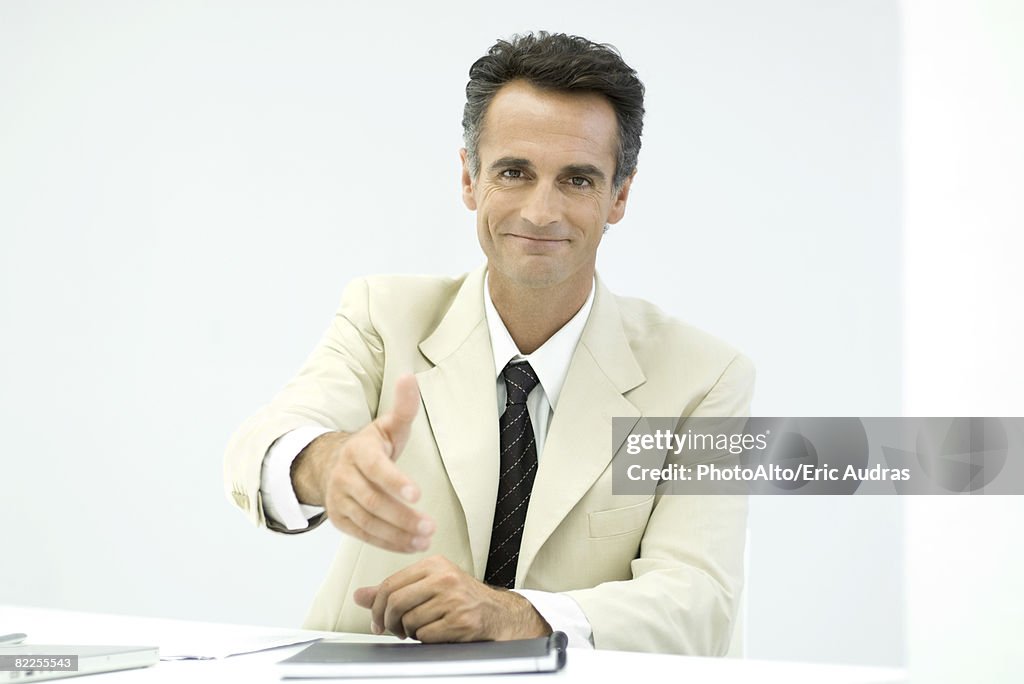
515, 487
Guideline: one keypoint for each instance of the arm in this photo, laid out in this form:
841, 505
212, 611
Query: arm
280, 503
687, 579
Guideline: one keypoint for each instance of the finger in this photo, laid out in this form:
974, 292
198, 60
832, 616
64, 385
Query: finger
396, 423
440, 631
382, 472
379, 503
416, 620
353, 519
366, 457
401, 602
401, 579
364, 596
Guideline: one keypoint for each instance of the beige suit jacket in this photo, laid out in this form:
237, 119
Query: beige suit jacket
651, 573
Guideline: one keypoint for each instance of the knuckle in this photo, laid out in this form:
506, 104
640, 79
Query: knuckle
373, 500
369, 462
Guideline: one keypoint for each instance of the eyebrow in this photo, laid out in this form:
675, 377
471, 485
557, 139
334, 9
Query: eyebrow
572, 169
510, 161
585, 170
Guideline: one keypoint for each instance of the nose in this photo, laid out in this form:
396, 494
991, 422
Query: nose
543, 205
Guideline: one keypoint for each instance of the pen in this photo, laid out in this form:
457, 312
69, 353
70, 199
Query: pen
12, 639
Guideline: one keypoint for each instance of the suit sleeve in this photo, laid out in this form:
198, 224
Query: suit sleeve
338, 388
687, 578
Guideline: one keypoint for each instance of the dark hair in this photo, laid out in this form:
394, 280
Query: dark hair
564, 63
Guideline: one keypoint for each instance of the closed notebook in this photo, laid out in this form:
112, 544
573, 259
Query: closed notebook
36, 662
334, 659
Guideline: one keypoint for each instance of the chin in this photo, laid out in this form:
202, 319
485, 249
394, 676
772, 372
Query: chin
535, 276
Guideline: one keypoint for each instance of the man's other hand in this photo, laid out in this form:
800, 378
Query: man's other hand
354, 476
436, 601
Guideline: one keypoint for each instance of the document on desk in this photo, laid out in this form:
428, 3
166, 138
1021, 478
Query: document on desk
177, 639
209, 642
334, 660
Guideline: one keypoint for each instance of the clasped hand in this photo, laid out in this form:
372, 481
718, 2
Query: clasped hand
434, 600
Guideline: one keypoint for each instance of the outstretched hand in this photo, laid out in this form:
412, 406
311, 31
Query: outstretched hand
356, 479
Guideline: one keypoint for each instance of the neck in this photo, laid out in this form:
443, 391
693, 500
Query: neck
533, 315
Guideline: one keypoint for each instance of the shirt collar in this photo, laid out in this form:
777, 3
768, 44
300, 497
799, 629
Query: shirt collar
551, 360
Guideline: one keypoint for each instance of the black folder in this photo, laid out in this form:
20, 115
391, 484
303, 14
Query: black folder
337, 659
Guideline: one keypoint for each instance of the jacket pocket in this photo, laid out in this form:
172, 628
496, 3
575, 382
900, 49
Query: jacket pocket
619, 521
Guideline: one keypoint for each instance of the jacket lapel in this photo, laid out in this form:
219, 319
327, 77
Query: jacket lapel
459, 399
579, 444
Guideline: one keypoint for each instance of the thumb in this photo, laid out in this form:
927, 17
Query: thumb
396, 423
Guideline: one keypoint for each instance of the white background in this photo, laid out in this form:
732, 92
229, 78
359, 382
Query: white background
963, 283
186, 187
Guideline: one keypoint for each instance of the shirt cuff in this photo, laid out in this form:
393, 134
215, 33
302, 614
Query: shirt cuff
563, 614
279, 501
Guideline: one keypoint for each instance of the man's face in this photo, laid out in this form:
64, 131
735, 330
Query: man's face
544, 191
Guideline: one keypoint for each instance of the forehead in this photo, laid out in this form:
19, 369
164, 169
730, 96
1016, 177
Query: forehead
524, 121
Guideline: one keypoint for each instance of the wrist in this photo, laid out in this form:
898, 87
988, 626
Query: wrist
309, 469
521, 619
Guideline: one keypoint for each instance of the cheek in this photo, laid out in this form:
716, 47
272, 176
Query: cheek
590, 211
482, 228
495, 194
496, 203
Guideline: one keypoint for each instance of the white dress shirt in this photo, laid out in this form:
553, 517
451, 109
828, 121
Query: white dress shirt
551, 364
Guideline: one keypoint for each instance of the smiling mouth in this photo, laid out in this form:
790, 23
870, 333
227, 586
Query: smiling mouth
537, 246
538, 239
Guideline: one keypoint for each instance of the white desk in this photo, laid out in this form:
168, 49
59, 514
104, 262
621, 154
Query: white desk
55, 626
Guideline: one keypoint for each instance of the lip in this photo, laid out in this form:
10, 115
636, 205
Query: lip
537, 245
539, 240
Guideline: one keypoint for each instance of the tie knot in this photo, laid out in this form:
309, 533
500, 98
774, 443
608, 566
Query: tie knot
519, 381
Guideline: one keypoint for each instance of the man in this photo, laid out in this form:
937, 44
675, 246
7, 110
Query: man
458, 431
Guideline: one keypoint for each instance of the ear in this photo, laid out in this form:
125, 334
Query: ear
618, 209
467, 182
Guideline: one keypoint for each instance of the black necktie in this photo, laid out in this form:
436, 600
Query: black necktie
515, 481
